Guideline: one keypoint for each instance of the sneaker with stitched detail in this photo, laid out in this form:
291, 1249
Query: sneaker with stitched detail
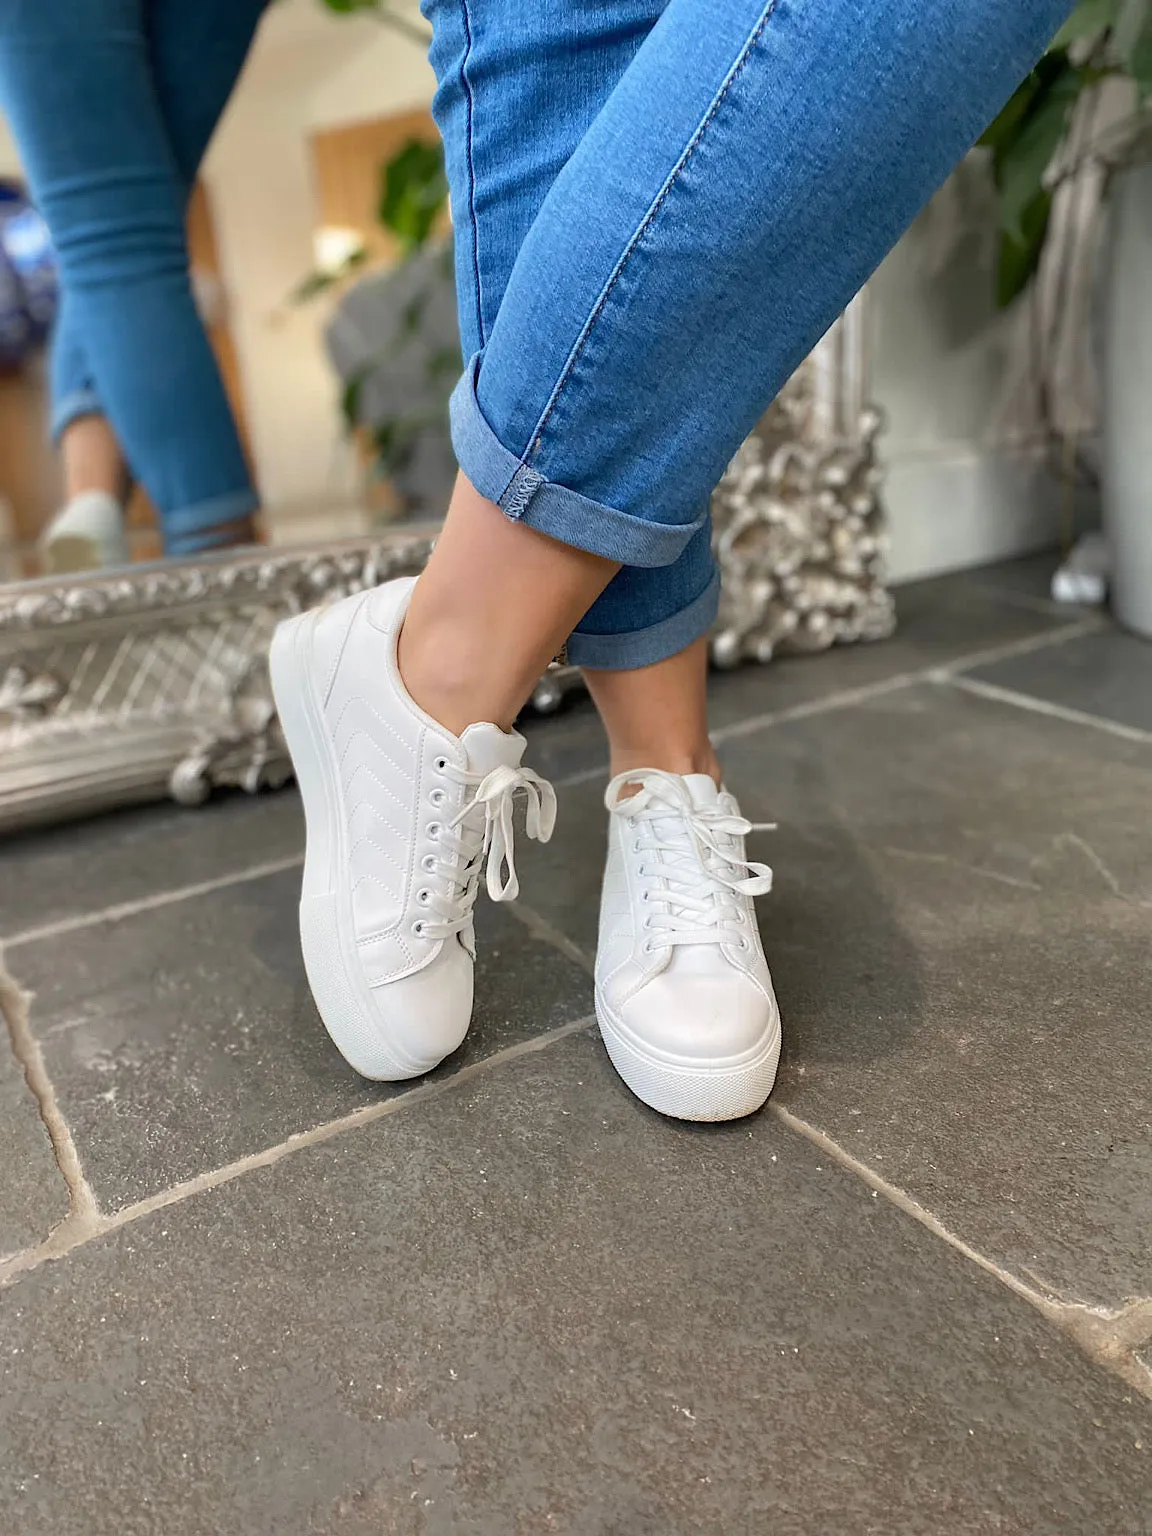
684, 998
403, 819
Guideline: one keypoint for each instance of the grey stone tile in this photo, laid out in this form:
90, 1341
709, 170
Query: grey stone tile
52, 875
33, 1196
570, 741
939, 621
1030, 576
960, 936
529, 1306
185, 1036
1107, 674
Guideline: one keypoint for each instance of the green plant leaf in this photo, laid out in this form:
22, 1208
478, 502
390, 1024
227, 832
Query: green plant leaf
1018, 258
1088, 19
1020, 163
350, 399
1138, 54
311, 287
413, 191
319, 282
346, 7
445, 362
1005, 128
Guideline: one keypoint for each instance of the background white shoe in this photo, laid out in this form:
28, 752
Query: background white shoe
401, 815
86, 535
684, 998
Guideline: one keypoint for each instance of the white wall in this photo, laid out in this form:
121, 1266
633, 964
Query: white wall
966, 481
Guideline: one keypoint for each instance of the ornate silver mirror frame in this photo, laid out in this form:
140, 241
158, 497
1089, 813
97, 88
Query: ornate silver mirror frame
151, 681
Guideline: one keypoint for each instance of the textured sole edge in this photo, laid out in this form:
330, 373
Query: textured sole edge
708, 1094
348, 1017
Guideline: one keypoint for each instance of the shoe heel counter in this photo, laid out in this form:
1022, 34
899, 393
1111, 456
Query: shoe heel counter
331, 627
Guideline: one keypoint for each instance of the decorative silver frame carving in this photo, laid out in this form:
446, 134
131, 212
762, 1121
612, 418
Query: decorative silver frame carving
128, 686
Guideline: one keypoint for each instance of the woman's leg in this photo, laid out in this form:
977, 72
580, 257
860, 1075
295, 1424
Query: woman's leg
513, 102
749, 170
79, 85
752, 166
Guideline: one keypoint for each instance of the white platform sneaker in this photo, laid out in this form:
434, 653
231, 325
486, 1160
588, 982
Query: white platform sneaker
88, 534
683, 994
401, 816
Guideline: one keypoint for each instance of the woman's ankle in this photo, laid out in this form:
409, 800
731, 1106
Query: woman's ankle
454, 677
675, 758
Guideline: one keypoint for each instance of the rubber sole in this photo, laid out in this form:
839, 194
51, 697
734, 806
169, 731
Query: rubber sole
690, 1092
71, 553
342, 996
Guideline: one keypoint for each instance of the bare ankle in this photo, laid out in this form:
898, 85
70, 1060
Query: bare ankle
700, 758
450, 677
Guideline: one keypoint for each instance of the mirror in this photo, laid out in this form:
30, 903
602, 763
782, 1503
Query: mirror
319, 247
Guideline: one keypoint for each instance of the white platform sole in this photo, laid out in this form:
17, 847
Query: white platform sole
351, 1015
690, 1091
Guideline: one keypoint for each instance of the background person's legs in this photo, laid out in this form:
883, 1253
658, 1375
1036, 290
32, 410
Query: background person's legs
112, 103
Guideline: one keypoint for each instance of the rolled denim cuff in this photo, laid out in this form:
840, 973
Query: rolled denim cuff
644, 647
191, 530
70, 408
524, 495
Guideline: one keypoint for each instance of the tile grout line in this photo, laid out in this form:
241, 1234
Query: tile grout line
83, 1210
540, 928
1108, 1336
828, 704
847, 697
1027, 701
1029, 602
125, 909
78, 1233
867, 691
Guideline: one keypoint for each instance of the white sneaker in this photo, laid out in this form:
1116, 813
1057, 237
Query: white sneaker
683, 995
400, 815
88, 534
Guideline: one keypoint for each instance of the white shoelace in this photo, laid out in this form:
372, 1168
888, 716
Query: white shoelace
482, 826
693, 874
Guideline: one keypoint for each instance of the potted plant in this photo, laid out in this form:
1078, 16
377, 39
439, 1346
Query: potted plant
1084, 115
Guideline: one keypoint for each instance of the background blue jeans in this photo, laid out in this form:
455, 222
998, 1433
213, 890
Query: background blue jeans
112, 104
659, 210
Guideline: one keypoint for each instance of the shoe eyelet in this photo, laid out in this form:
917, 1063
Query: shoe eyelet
428, 863
744, 944
418, 928
643, 895
440, 764
424, 897
433, 830
436, 797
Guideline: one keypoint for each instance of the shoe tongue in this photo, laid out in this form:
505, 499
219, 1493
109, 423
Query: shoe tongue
488, 747
701, 789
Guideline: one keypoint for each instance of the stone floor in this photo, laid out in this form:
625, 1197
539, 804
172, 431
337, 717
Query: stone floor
248, 1293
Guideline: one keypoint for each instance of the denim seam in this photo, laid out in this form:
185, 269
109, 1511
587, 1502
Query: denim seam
645, 224
470, 115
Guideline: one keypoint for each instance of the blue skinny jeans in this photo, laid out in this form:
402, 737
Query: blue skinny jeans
112, 104
659, 209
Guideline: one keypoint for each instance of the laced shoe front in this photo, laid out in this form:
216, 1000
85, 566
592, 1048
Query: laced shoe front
683, 993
